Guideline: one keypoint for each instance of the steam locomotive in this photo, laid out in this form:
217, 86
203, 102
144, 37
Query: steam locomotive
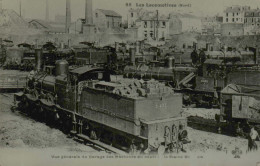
23, 56
208, 73
89, 103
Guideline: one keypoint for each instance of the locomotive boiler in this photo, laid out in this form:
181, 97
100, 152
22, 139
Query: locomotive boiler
176, 76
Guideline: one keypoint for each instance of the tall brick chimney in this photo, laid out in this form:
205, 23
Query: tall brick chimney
47, 11
1, 7
68, 16
88, 12
89, 27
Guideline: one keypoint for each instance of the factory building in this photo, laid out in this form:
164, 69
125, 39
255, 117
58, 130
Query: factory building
107, 19
148, 25
180, 23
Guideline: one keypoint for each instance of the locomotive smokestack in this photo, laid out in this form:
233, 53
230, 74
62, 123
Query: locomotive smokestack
69, 43
225, 48
132, 55
208, 46
47, 10
62, 45
38, 59
116, 46
68, 16
194, 45
137, 47
88, 12
170, 62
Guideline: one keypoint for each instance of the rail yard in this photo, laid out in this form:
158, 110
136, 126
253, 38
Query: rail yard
105, 92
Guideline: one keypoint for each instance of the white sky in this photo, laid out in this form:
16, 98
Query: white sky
36, 8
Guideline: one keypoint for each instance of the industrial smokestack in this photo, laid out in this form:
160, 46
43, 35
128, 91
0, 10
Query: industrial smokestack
88, 12
68, 15
20, 8
1, 42
1, 7
47, 10
132, 56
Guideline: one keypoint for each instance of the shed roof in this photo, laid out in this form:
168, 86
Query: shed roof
109, 13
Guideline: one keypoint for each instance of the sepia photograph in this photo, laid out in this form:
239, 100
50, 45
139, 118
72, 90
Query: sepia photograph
129, 82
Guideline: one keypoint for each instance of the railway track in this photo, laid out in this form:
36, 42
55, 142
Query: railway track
224, 128
7, 99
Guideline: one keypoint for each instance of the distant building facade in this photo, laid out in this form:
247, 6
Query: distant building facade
106, 19
211, 25
147, 25
133, 15
252, 22
235, 14
180, 23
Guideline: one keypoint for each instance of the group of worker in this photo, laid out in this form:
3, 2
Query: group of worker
163, 147
253, 135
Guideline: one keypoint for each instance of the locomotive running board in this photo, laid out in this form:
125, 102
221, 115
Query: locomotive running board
101, 144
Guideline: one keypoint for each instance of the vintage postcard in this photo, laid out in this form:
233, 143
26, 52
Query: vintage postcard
129, 82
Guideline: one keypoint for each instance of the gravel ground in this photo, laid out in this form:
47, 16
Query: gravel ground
19, 131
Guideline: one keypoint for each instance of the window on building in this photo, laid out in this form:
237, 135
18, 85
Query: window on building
237, 19
145, 24
233, 14
233, 20
252, 20
227, 14
151, 24
163, 23
132, 14
237, 14
96, 15
226, 19
151, 34
145, 34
